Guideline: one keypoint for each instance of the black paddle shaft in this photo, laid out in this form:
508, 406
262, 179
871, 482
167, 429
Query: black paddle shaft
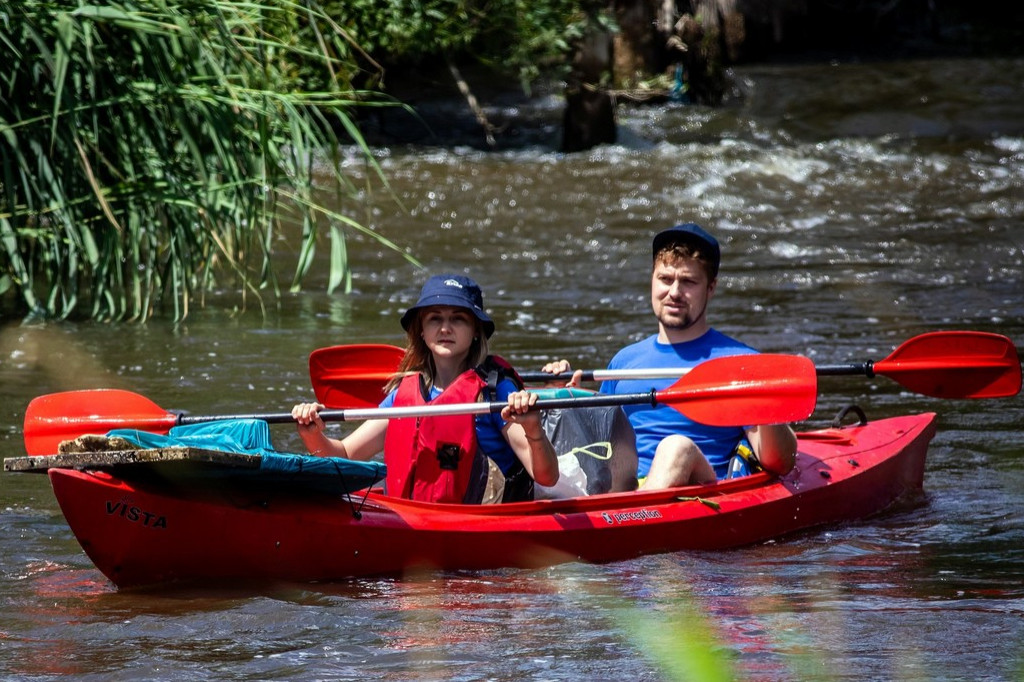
845, 369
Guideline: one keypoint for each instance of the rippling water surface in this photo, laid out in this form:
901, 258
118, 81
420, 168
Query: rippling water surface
858, 205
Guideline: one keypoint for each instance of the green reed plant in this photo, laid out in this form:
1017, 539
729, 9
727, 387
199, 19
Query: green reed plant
153, 150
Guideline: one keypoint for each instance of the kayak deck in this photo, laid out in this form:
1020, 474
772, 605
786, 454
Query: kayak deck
186, 458
148, 532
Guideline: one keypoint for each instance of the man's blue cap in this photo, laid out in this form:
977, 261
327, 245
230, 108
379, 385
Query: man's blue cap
452, 290
691, 233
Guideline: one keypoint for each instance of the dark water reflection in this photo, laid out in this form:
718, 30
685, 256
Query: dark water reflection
857, 205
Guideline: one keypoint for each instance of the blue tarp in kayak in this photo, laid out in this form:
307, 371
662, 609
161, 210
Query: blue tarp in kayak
252, 437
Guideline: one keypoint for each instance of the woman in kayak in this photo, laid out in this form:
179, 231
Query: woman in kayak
452, 458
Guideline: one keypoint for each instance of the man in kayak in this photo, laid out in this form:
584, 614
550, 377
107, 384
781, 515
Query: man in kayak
673, 449
457, 458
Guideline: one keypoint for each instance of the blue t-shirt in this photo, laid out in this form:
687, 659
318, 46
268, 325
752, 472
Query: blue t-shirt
653, 424
489, 437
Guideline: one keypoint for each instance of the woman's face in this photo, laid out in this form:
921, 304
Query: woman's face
448, 332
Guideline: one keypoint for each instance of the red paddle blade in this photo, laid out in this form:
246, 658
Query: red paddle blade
354, 375
57, 417
955, 364
746, 390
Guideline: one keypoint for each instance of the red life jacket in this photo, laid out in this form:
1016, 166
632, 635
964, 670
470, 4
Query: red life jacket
436, 459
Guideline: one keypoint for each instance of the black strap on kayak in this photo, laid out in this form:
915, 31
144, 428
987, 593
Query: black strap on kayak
357, 512
837, 423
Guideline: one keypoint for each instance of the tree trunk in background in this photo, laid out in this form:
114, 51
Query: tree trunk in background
711, 35
657, 37
589, 118
639, 46
603, 60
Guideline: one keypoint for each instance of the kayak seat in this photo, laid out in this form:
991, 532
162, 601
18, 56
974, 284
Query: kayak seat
596, 448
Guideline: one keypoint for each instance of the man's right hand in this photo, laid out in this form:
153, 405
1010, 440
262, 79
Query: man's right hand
558, 367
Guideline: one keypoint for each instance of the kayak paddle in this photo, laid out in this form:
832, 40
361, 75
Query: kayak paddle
732, 391
950, 364
944, 364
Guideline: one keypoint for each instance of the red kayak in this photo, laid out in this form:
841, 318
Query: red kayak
150, 514
151, 532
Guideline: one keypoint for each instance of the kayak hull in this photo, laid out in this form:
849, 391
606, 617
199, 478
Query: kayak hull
149, 532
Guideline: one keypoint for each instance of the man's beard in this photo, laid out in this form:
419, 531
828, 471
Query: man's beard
677, 323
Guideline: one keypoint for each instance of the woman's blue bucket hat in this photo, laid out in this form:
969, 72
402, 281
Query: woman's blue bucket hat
458, 291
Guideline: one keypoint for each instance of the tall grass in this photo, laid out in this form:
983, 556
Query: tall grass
153, 150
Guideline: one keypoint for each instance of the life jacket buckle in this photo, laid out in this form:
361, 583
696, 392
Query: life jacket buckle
448, 456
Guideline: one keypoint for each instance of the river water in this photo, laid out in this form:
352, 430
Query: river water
858, 205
